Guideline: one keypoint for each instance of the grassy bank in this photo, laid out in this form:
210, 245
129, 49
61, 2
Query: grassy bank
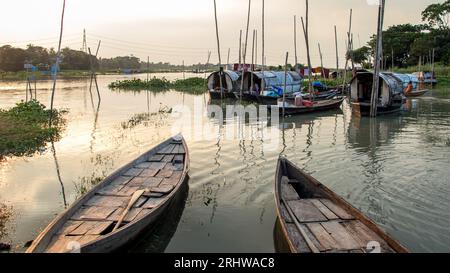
191, 85
24, 129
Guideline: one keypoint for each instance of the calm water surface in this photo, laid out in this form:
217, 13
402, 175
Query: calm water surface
395, 169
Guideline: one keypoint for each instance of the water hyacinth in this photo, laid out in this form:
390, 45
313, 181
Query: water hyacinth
191, 85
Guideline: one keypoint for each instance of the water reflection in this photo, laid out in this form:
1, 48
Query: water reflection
58, 174
159, 236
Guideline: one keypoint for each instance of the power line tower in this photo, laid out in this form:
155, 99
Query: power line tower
84, 48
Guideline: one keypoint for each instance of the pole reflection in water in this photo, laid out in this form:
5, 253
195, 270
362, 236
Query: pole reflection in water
58, 174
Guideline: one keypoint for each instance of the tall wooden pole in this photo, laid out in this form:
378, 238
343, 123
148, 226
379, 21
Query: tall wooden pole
58, 56
256, 48
337, 51
348, 48
263, 60
321, 62
377, 65
295, 41
207, 62
248, 25
285, 83
228, 57
240, 47
432, 67
305, 26
392, 55
218, 49
253, 60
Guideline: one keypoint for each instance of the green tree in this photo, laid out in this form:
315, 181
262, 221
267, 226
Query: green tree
361, 56
12, 59
437, 15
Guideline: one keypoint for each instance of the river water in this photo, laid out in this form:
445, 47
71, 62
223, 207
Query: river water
395, 169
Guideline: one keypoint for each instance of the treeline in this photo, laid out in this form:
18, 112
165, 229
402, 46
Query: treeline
13, 59
408, 45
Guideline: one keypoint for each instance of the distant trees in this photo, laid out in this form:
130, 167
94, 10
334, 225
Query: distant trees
127, 62
406, 44
361, 56
13, 59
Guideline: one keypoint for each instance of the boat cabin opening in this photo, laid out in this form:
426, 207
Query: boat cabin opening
229, 81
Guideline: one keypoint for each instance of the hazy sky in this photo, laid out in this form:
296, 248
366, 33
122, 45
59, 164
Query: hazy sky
176, 30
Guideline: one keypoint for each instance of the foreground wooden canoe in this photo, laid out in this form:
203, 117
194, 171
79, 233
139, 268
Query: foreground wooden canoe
89, 223
313, 219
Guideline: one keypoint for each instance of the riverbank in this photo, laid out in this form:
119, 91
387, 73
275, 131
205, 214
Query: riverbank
73, 74
24, 128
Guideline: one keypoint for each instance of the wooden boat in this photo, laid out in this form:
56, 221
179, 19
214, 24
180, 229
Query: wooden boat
89, 225
269, 100
313, 219
318, 106
417, 93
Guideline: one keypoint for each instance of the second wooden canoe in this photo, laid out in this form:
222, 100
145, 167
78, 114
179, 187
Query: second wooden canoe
87, 226
313, 219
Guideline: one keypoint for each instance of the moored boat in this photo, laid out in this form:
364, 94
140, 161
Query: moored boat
390, 93
122, 206
314, 219
229, 84
417, 93
318, 106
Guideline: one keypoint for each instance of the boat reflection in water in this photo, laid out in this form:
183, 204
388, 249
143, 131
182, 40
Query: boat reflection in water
158, 236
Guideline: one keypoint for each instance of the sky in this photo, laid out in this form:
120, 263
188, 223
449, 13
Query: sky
177, 30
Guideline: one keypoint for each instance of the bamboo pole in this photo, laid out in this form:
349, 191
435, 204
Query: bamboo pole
285, 83
245, 47
256, 48
337, 51
240, 47
58, 56
392, 55
94, 74
207, 62
228, 57
305, 26
263, 60
432, 67
253, 61
295, 42
378, 56
348, 48
218, 50
321, 62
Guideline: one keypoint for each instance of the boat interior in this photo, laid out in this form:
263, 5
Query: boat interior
326, 223
157, 173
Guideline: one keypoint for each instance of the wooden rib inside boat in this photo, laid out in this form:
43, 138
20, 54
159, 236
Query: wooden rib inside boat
313, 219
89, 224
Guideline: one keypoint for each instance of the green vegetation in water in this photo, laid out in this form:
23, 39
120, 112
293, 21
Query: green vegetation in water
5, 216
86, 184
157, 118
191, 85
327, 82
448, 142
24, 129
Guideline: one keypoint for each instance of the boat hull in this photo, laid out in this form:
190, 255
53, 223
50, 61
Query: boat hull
318, 107
216, 95
414, 94
363, 109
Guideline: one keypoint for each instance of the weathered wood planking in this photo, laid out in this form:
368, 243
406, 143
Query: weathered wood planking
343, 238
337, 210
363, 235
168, 158
326, 241
287, 190
306, 212
297, 239
93, 213
156, 158
91, 228
132, 172
324, 209
149, 173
